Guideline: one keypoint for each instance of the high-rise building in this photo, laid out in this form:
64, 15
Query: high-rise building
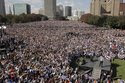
41, 11
59, 10
107, 7
122, 9
20, 8
10, 12
50, 8
78, 13
68, 11
75, 13
2, 7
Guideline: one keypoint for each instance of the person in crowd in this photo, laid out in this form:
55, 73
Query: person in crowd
101, 59
38, 52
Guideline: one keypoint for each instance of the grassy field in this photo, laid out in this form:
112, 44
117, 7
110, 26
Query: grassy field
120, 68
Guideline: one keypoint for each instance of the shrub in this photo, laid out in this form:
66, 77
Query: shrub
23, 18
102, 21
3, 19
9, 18
61, 18
106, 21
121, 22
112, 22
94, 20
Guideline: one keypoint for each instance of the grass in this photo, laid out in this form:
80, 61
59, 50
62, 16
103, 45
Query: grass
120, 68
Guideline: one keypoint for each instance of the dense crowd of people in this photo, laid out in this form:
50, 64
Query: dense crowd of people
41, 50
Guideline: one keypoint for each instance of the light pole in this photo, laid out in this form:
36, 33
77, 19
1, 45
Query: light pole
2, 30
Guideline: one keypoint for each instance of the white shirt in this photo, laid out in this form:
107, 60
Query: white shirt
101, 58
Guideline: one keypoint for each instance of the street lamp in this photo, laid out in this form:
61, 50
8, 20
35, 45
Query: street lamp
2, 32
2, 29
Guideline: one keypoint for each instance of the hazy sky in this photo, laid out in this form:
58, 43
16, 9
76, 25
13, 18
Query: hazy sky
37, 4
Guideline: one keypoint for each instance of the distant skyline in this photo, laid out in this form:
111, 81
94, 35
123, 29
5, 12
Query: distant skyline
83, 5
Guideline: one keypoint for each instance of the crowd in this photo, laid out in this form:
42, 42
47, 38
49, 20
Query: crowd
43, 55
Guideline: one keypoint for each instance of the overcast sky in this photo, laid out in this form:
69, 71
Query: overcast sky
37, 4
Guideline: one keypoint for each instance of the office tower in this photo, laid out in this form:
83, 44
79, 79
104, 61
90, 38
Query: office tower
107, 7
41, 11
59, 10
68, 11
50, 8
2, 7
95, 7
75, 13
20, 8
10, 12
122, 9
80, 13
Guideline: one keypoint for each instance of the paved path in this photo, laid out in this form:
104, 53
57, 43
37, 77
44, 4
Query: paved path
96, 71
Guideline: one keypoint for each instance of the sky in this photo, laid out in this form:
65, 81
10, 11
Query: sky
37, 4
82, 5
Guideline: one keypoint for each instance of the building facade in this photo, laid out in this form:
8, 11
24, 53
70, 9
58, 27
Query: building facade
50, 8
41, 11
2, 7
20, 8
122, 9
107, 7
68, 11
10, 12
60, 10
78, 13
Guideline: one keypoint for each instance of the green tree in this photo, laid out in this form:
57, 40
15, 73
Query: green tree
112, 22
94, 20
121, 22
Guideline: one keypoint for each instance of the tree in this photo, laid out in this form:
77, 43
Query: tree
85, 18
121, 22
112, 22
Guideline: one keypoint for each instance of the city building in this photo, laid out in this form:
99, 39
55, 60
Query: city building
59, 10
2, 7
68, 11
73, 18
122, 9
78, 13
75, 13
10, 12
41, 11
107, 7
20, 8
50, 8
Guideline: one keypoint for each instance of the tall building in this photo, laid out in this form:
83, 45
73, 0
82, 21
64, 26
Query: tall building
107, 7
68, 11
41, 11
50, 8
10, 12
59, 10
2, 7
20, 8
78, 13
122, 9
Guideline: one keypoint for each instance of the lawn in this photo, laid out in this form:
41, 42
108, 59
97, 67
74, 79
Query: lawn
120, 68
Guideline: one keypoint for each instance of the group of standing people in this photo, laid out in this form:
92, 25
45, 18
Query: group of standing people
45, 58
